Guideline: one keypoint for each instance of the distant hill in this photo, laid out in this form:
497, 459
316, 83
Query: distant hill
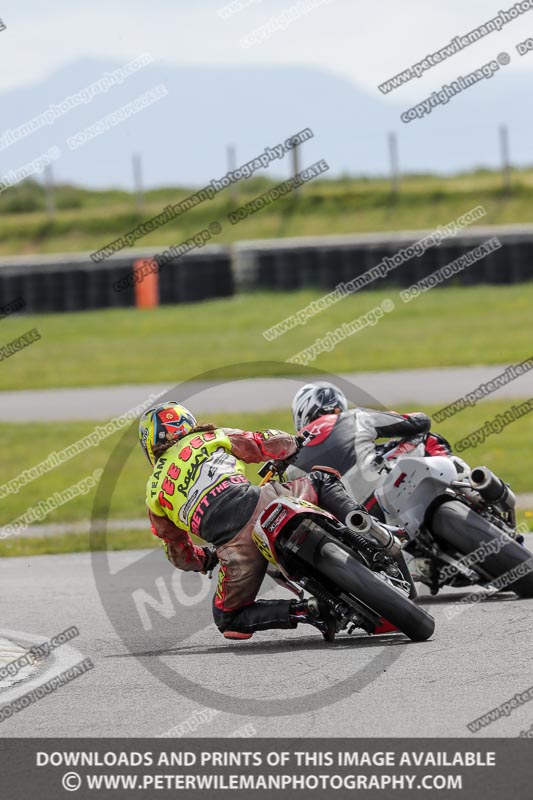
183, 137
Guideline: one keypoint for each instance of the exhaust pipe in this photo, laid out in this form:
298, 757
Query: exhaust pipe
379, 535
492, 489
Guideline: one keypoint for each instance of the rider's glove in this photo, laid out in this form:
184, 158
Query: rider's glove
280, 465
437, 445
300, 440
211, 559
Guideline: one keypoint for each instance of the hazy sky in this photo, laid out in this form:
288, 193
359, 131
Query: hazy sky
365, 41
362, 42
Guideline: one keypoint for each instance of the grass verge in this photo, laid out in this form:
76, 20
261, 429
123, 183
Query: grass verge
508, 454
88, 220
451, 326
76, 543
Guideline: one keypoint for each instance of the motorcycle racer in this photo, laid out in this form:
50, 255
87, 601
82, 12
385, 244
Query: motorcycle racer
345, 439
198, 486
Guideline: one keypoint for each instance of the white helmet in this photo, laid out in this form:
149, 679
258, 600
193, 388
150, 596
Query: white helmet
314, 400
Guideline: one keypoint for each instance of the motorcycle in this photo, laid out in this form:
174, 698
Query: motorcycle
460, 521
309, 549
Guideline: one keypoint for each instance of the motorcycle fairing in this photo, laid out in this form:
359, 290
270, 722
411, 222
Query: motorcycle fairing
274, 519
411, 487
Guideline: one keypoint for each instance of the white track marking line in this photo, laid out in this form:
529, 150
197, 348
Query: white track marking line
10, 652
58, 661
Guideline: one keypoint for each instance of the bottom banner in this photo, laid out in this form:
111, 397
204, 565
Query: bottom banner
52, 769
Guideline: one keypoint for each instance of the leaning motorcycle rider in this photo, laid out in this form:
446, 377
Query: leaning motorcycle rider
198, 486
345, 439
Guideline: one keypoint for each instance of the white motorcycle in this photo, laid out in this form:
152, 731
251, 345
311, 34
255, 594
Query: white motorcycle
460, 522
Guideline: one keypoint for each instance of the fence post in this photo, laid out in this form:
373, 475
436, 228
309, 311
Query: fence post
138, 182
506, 159
232, 166
295, 164
394, 163
49, 192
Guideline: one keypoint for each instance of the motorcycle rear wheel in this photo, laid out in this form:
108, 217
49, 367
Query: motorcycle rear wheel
355, 579
458, 526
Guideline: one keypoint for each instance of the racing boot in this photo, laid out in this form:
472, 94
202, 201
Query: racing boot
315, 612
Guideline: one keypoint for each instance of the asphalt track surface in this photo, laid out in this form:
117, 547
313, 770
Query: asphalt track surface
281, 683
159, 660
422, 386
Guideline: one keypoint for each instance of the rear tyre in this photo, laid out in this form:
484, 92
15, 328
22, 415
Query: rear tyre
456, 525
354, 578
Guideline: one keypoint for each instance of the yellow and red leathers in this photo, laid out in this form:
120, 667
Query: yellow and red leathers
198, 486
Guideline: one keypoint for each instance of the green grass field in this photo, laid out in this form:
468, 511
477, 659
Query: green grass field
453, 326
87, 220
507, 454
445, 327
77, 543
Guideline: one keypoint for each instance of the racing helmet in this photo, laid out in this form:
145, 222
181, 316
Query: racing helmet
314, 400
162, 424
